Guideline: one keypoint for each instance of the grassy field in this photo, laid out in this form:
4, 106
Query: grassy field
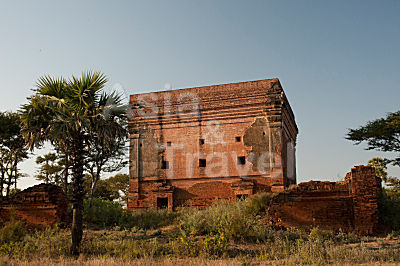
224, 234
164, 246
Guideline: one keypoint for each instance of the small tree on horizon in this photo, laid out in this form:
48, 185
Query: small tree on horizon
382, 134
380, 167
50, 170
12, 151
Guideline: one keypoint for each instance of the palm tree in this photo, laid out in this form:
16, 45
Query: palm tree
71, 113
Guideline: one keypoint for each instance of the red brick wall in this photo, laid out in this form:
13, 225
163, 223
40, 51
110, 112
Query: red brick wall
350, 206
365, 189
39, 206
164, 129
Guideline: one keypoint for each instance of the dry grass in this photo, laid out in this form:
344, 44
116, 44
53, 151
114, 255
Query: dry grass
220, 235
108, 247
114, 261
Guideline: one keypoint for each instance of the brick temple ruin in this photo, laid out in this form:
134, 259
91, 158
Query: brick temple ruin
38, 206
193, 146
190, 147
348, 206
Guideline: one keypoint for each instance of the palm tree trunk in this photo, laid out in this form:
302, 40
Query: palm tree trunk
77, 155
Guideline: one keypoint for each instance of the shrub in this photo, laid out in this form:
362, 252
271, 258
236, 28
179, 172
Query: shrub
108, 214
390, 209
184, 245
151, 219
12, 231
258, 203
42, 243
238, 220
103, 213
317, 235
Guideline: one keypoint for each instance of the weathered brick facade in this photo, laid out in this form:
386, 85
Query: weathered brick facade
192, 146
350, 206
39, 206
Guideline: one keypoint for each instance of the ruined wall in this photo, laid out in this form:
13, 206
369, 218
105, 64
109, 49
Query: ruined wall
350, 206
39, 206
236, 129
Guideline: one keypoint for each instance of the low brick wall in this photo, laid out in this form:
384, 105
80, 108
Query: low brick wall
39, 206
349, 206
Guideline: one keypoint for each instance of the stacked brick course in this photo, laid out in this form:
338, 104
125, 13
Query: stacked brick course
349, 206
244, 134
39, 206
366, 189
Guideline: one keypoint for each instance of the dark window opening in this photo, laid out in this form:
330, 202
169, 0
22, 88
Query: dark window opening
201, 141
242, 196
202, 163
241, 160
238, 139
169, 143
162, 203
263, 133
164, 165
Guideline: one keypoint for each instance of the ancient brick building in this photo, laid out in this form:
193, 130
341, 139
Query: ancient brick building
192, 146
350, 205
38, 206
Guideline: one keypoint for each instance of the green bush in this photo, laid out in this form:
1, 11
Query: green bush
258, 203
390, 209
42, 243
12, 231
317, 235
105, 213
238, 220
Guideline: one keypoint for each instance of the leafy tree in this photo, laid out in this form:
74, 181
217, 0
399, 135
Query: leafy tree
381, 134
390, 200
12, 150
381, 171
50, 169
103, 190
65, 162
112, 188
380, 167
393, 183
120, 184
70, 114
14, 191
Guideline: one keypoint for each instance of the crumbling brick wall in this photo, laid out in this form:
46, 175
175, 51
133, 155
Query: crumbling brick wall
39, 206
365, 189
349, 206
212, 142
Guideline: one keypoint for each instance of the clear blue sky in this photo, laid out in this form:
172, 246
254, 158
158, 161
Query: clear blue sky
338, 61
